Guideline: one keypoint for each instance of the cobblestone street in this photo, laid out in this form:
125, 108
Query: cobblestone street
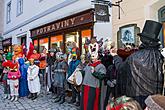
43, 102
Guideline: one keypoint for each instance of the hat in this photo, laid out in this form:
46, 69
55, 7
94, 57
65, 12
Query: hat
36, 62
52, 50
151, 30
155, 102
9, 56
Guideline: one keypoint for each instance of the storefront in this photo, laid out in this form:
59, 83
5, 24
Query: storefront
7, 45
161, 14
74, 28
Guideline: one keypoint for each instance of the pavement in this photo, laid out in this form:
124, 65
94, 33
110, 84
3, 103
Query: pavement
43, 102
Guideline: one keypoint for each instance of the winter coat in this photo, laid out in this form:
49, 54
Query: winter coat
23, 83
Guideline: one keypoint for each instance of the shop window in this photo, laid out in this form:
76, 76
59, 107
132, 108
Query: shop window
161, 14
72, 37
43, 43
57, 42
164, 32
86, 34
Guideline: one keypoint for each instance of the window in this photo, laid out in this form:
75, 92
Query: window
57, 42
40, 0
19, 7
8, 12
43, 43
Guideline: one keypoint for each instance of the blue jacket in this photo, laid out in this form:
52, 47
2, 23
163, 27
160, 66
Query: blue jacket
72, 67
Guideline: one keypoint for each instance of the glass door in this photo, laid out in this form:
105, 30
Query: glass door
86, 34
72, 37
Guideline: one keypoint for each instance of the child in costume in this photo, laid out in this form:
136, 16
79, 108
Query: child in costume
50, 61
5, 81
33, 79
93, 89
42, 66
13, 76
72, 67
60, 77
23, 83
35, 55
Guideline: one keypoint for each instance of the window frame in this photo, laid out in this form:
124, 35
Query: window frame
8, 12
19, 7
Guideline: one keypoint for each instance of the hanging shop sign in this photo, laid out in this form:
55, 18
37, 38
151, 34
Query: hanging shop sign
63, 24
102, 12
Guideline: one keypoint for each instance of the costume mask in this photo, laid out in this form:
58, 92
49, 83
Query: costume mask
93, 50
163, 52
59, 55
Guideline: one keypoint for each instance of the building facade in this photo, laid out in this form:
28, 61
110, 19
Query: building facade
133, 16
1, 20
50, 24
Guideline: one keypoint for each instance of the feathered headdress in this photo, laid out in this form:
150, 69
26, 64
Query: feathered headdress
6, 64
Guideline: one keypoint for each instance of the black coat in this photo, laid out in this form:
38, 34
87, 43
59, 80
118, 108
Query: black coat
142, 72
51, 60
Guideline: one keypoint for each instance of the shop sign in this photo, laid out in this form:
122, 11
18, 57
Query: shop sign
6, 42
63, 24
102, 13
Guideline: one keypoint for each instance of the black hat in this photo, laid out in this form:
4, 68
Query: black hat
151, 30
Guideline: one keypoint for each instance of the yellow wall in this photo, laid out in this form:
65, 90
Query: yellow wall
133, 14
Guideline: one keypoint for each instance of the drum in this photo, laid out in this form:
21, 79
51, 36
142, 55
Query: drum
76, 78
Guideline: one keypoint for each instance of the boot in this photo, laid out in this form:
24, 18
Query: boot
15, 99
30, 96
8, 97
57, 100
5, 96
35, 96
72, 101
12, 98
55, 97
77, 104
62, 100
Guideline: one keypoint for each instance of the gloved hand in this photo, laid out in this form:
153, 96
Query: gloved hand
114, 81
110, 84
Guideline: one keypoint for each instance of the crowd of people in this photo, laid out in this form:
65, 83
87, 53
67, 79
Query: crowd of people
130, 78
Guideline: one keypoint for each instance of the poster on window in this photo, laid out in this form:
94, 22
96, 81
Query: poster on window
127, 35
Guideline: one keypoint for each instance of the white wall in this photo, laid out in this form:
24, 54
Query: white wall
30, 9
1, 16
33, 8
